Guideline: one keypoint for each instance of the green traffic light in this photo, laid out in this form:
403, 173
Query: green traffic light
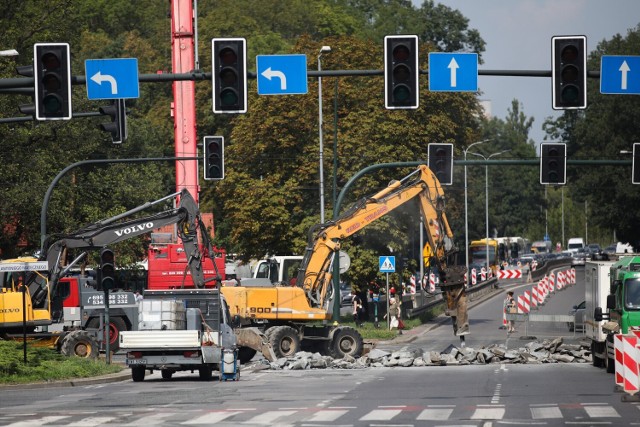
52, 103
229, 97
401, 93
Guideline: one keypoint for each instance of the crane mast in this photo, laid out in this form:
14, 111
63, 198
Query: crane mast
184, 108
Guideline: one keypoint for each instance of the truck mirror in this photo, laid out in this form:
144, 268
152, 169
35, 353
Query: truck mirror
235, 322
597, 315
611, 302
614, 286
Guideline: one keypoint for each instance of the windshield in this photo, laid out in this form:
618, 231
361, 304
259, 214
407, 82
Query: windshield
479, 254
632, 294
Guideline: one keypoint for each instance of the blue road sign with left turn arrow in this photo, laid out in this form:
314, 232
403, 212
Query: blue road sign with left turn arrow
453, 72
112, 78
620, 74
282, 74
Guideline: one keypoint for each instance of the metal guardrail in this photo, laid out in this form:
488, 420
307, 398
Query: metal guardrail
473, 294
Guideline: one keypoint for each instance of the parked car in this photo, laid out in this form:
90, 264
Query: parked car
578, 314
345, 294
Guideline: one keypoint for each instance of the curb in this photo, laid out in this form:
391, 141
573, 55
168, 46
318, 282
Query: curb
74, 382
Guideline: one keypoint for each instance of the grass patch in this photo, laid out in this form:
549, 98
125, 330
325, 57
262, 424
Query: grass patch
44, 364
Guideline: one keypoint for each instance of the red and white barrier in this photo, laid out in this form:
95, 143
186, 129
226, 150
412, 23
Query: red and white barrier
474, 276
534, 297
551, 280
483, 274
432, 282
619, 363
523, 304
509, 274
630, 361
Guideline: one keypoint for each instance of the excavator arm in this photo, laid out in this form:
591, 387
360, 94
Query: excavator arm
113, 230
324, 241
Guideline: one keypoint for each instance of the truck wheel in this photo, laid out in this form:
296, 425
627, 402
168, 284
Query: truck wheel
347, 341
116, 324
137, 373
206, 373
166, 374
597, 362
285, 341
609, 363
245, 354
80, 344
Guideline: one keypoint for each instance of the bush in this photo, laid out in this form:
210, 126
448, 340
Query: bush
45, 364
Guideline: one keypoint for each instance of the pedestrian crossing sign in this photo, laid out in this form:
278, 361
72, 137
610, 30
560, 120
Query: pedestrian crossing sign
387, 264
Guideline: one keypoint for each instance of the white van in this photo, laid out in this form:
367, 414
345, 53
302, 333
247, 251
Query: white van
574, 244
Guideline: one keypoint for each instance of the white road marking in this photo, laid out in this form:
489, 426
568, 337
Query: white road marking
381, 414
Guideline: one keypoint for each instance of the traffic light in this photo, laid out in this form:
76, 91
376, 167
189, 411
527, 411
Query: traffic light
569, 72
441, 162
229, 74
52, 69
118, 125
28, 109
213, 157
401, 72
107, 272
635, 166
553, 163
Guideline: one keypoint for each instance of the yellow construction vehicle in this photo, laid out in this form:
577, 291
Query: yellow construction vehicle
291, 315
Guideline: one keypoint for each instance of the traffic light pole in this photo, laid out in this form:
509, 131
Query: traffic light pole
47, 196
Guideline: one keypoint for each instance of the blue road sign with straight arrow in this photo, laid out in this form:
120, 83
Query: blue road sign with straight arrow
620, 75
453, 72
282, 74
112, 78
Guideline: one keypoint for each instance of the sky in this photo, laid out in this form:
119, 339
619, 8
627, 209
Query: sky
518, 35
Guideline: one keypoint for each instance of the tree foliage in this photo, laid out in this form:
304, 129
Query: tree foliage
270, 198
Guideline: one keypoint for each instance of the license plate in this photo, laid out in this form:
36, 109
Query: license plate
136, 361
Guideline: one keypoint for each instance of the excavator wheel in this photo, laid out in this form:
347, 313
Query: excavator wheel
346, 341
116, 324
245, 354
80, 344
285, 341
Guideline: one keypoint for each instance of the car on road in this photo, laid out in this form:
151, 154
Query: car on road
577, 311
579, 257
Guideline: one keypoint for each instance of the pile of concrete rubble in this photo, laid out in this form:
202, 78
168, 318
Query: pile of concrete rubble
534, 352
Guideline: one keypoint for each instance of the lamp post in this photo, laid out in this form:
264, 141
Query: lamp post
466, 209
323, 49
486, 205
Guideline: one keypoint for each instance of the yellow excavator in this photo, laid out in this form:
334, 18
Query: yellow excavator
290, 315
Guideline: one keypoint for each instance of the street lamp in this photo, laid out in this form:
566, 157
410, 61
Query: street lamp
486, 206
466, 209
323, 49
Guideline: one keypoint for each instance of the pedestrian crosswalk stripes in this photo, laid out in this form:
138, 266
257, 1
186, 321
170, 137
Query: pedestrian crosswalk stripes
587, 412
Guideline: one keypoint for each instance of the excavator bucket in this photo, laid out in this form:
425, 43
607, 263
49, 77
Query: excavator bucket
452, 282
253, 338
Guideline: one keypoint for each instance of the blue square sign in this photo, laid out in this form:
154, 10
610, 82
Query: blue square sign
620, 75
112, 78
282, 74
387, 264
453, 72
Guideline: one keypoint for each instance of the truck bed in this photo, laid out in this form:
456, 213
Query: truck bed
160, 339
